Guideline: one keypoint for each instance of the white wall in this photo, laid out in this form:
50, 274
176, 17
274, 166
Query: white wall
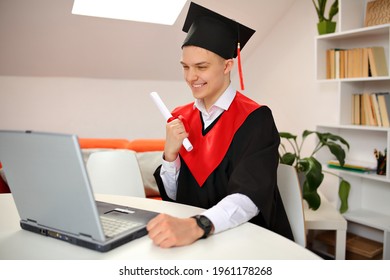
88, 107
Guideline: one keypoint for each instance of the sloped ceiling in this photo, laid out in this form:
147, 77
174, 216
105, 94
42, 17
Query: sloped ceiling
43, 38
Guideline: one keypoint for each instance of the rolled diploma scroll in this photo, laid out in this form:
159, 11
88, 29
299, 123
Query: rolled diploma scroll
166, 114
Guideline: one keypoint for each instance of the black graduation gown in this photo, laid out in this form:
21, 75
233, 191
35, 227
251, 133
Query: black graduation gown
249, 167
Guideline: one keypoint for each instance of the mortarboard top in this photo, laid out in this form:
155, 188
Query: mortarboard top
214, 32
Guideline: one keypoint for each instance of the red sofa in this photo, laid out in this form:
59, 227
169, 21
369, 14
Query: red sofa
138, 145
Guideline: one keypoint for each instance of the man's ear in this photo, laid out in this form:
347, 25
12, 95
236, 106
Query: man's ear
229, 63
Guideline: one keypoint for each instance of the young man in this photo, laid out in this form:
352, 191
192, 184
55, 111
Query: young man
232, 168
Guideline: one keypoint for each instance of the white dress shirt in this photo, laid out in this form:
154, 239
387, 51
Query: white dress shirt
232, 210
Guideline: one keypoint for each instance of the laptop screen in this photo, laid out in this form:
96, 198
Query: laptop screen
49, 182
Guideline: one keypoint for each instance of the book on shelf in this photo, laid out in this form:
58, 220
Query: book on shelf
368, 110
371, 109
335, 63
377, 61
330, 64
350, 63
365, 63
343, 61
356, 119
384, 103
355, 166
356, 63
375, 109
358, 112
363, 119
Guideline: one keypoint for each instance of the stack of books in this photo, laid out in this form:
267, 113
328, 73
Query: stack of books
371, 109
360, 167
356, 63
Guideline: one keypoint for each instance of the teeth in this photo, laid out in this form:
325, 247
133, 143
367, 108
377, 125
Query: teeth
197, 86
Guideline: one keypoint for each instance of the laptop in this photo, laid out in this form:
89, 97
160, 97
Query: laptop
54, 197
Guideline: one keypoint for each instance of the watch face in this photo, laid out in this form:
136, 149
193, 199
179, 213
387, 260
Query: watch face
205, 221
205, 224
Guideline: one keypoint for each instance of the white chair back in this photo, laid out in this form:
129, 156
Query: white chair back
115, 172
291, 194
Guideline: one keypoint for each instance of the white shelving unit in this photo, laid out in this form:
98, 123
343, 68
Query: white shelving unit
369, 200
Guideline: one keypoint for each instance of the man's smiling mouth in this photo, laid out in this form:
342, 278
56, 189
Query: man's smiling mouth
198, 85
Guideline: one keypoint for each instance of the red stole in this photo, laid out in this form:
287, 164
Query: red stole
209, 150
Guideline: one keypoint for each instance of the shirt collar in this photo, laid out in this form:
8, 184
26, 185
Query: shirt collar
223, 102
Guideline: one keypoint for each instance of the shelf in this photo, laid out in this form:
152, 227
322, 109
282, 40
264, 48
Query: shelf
369, 176
356, 127
353, 80
369, 218
378, 30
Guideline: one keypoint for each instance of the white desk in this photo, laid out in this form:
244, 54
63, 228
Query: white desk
247, 241
327, 217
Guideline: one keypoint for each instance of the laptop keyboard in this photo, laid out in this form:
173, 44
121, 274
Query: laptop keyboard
112, 226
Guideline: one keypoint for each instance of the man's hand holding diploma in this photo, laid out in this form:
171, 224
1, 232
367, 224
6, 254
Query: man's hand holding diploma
176, 131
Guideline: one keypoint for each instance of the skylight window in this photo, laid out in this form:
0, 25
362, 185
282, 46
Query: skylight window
152, 11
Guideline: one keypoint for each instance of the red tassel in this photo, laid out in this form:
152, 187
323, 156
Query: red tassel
239, 67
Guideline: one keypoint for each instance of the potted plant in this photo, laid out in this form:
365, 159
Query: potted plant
310, 169
326, 25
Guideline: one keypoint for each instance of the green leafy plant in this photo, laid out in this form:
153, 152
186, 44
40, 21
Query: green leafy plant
320, 6
311, 168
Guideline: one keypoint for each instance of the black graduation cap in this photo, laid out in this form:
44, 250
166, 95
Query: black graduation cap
214, 32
